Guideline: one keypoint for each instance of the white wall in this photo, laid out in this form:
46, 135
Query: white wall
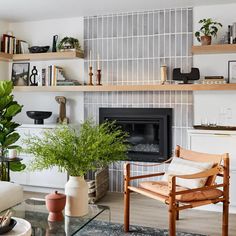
214, 64
4, 66
40, 33
208, 105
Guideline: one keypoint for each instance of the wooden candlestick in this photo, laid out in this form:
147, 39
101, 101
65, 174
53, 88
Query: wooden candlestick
90, 75
99, 77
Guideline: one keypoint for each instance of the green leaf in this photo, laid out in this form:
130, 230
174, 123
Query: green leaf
10, 139
13, 110
5, 101
5, 88
17, 166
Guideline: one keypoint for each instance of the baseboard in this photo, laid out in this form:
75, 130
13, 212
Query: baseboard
216, 208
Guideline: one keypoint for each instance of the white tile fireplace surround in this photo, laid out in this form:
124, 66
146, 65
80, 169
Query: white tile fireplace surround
132, 47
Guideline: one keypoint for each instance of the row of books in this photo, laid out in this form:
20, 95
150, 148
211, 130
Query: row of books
54, 76
232, 33
10, 44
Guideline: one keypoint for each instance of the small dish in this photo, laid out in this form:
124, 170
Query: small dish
8, 228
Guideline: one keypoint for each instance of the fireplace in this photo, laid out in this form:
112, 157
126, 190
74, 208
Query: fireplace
149, 129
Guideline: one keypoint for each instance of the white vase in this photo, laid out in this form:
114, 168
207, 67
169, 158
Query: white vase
76, 190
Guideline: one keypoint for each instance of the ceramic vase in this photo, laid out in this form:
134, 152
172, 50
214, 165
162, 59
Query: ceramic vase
76, 190
206, 40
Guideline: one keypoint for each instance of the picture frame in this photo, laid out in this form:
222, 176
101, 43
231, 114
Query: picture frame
232, 72
20, 74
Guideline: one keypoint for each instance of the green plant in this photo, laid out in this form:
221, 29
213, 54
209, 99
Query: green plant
69, 43
8, 135
209, 28
92, 147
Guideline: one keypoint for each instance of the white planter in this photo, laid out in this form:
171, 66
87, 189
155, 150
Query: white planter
76, 190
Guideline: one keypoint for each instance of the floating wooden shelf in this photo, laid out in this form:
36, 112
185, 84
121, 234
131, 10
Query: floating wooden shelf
5, 56
215, 48
110, 88
47, 56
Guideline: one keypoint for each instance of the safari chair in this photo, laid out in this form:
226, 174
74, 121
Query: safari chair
178, 198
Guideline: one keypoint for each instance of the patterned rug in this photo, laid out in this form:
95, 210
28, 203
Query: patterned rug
100, 228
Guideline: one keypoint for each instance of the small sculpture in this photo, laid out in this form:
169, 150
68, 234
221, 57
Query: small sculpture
33, 77
62, 119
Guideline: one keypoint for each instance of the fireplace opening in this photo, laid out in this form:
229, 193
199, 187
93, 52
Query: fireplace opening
149, 131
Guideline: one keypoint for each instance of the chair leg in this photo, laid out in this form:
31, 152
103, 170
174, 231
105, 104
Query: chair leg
126, 210
225, 220
172, 220
177, 212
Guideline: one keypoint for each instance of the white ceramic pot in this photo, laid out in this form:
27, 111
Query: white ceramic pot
76, 190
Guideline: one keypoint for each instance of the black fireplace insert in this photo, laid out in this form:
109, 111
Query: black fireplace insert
149, 129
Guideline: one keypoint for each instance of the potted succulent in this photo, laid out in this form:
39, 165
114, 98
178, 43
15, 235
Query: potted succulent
77, 152
8, 135
208, 29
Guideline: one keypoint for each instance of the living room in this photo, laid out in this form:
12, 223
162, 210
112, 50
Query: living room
111, 94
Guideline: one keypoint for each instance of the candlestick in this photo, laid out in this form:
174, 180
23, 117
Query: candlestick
99, 77
90, 75
98, 65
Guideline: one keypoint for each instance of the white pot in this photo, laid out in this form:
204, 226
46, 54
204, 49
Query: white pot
76, 190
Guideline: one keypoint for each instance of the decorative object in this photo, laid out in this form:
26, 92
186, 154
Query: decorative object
208, 29
54, 43
39, 116
95, 146
55, 203
68, 44
39, 49
9, 108
99, 76
12, 153
62, 119
90, 75
7, 228
20, 74
185, 77
163, 74
33, 77
232, 72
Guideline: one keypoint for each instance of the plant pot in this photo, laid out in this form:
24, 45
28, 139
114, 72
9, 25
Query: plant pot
206, 40
76, 190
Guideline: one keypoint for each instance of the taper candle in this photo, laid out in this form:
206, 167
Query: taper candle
90, 58
98, 63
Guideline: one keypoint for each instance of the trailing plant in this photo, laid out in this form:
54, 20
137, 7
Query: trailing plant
8, 135
69, 43
209, 28
94, 146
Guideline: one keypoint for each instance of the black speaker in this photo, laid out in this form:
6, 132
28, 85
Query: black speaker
185, 77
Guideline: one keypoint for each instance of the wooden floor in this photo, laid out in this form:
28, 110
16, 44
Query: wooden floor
148, 212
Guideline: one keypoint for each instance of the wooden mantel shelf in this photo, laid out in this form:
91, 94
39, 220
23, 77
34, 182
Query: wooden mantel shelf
110, 88
215, 48
5, 56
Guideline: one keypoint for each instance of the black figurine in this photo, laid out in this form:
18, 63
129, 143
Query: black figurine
54, 43
33, 79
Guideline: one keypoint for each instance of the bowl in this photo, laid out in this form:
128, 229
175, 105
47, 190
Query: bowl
8, 228
39, 116
39, 49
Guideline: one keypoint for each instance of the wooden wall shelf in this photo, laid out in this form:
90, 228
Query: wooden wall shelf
5, 56
47, 56
110, 88
215, 48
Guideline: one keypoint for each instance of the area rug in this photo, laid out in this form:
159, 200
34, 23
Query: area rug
100, 228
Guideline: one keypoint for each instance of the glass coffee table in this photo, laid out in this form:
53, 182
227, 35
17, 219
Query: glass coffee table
34, 211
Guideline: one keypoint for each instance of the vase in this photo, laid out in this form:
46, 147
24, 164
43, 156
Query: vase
76, 190
206, 40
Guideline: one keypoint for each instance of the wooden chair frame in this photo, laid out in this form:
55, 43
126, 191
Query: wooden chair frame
175, 206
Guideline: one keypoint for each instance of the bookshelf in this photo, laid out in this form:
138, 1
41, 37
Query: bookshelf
214, 49
111, 88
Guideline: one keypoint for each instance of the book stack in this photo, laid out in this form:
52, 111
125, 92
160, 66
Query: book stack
214, 80
11, 45
232, 33
54, 76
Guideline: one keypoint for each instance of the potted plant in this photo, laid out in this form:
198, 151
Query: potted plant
77, 152
8, 135
209, 28
69, 43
